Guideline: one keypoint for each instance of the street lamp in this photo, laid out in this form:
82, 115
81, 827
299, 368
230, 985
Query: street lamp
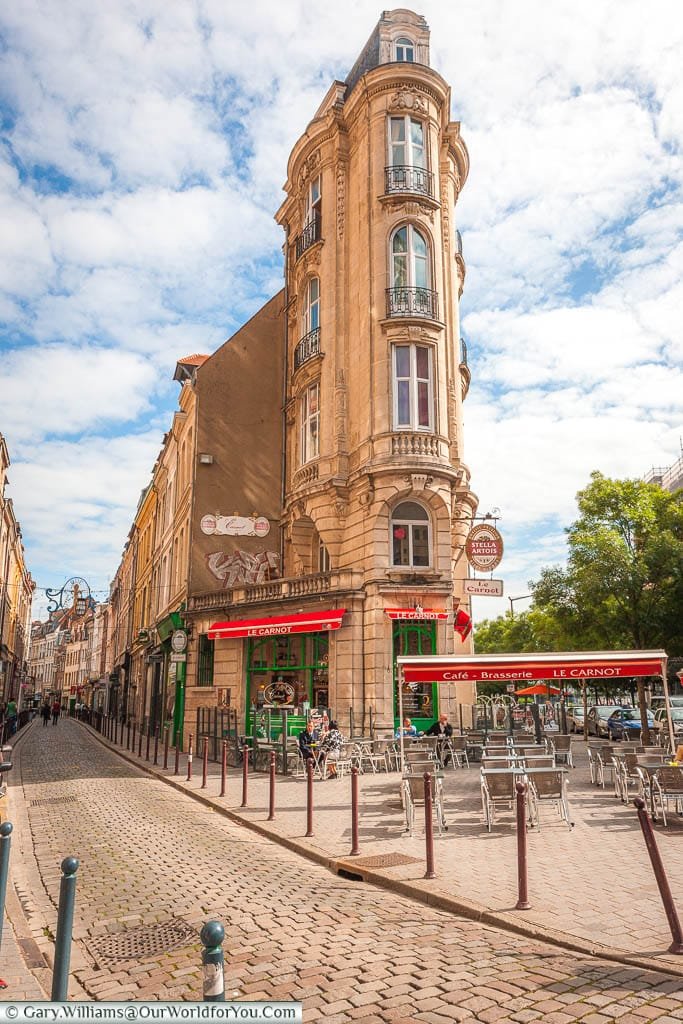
73, 594
522, 597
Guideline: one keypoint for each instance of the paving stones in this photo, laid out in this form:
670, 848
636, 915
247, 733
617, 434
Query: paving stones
150, 855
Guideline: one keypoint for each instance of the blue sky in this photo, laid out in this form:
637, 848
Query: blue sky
142, 158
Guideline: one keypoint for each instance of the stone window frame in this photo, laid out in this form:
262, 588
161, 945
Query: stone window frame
407, 118
421, 230
403, 42
309, 451
413, 426
410, 523
307, 324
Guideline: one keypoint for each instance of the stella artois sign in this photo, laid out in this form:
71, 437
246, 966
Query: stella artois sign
484, 547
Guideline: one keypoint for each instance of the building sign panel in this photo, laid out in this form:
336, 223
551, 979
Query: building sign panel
413, 614
278, 625
484, 547
235, 526
567, 667
483, 588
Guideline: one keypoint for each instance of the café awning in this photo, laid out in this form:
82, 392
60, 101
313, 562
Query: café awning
559, 667
278, 625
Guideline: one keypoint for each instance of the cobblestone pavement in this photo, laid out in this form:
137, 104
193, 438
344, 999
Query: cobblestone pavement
151, 857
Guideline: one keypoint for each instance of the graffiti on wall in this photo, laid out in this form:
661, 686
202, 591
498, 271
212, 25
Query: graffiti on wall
242, 567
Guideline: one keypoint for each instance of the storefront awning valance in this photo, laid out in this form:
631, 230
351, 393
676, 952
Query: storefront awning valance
278, 625
575, 665
416, 614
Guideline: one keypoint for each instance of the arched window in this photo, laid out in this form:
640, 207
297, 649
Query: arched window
404, 50
311, 310
410, 293
410, 535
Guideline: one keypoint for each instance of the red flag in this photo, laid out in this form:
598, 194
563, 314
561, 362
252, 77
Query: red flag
462, 624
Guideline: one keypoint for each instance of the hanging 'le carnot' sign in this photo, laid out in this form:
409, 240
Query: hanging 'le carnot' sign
484, 547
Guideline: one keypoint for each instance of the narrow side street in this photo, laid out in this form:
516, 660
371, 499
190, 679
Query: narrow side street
155, 865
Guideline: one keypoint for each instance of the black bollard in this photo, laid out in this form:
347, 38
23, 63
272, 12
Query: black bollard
429, 827
309, 797
355, 848
522, 886
213, 985
271, 800
224, 766
65, 921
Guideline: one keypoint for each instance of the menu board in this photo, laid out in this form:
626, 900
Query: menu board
417, 700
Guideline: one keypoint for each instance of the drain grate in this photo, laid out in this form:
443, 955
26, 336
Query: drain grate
146, 941
385, 860
49, 801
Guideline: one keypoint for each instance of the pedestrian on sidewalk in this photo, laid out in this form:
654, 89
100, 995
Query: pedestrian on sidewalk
56, 709
45, 713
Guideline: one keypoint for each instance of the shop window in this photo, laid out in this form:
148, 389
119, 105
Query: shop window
419, 699
410, 535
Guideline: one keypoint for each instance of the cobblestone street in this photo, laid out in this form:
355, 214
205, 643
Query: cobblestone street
152, 858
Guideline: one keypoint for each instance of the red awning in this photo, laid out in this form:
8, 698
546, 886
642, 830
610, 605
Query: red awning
278, 625
574, 665
416, 614
538, 690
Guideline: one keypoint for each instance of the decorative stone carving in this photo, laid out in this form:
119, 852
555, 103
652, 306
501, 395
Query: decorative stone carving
340, 410
445, 218
291, 311
410, 209
310, 164
419, 481
341, 508
341, 199
408, 98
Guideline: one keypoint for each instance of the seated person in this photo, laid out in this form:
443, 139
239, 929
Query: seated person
306, 739
407, 730
444, 730
329, 749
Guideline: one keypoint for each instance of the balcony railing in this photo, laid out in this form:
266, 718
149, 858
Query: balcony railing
458, 242
412, 302
309, 235
308, 347
404, 178
463, 352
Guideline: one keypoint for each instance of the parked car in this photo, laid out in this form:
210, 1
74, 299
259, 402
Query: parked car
625, 723
598, 717
660, 724
660, 702
575, 718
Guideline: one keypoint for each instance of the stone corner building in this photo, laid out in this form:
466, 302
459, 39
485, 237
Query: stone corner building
316, 500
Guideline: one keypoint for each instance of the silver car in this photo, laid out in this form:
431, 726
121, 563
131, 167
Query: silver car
575, 718
660, 725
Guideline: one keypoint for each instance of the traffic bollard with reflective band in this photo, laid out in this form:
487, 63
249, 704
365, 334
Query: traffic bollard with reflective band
271, 795
309, 797
5, 840
522, 890
355, 848
224, 766
166, 732
156, 745
212, 935
65, 921
245, 774
660, 875
429, 827
189, 760
205, 761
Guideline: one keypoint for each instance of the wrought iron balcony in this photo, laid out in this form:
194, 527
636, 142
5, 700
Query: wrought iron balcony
308, 347
404, 178
309, 235
412, 302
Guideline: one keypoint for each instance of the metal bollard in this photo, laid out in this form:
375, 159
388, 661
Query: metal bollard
176, 767
5, 840
189, 760
149, 739
132, 746
309, 797
65, 921
522, 889
156, 745
166, 733
140, 742
429, 827
224, 766
660, 876
128, 736
271, 800
245, 774
213, 985
205, 761
355, 848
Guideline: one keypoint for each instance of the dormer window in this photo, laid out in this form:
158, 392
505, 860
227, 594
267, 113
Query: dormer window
405, 51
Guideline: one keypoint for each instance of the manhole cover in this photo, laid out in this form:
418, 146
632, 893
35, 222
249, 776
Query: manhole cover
146, 941
385, 860
50, 800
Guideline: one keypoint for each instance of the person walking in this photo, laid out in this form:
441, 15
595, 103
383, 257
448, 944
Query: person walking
56, 709
45, 713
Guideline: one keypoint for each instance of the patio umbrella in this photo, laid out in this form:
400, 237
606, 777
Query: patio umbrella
538, 690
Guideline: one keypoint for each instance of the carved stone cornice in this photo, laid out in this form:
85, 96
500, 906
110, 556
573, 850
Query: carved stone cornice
409, 99
417, 206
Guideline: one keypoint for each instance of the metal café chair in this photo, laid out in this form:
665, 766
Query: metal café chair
549, 784
414, 796
457, 746
497, 790
561, 747
667, 784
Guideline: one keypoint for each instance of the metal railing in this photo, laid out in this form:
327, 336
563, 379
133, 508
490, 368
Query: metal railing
404, 178
308, 347
412, 302
463, 352
309, 235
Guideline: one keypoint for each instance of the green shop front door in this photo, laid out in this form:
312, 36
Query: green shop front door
420, 700
286, 673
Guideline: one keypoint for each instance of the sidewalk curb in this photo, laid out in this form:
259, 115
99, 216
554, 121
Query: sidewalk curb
505, 921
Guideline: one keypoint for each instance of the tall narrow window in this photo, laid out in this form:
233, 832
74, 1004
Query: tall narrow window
323, 557
311, 317
313, 200
205, 661
413, 387
410, 293
310, 423
406, 142
410, 535
405, 50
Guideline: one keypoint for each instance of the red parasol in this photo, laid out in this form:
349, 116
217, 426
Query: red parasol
538, 690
